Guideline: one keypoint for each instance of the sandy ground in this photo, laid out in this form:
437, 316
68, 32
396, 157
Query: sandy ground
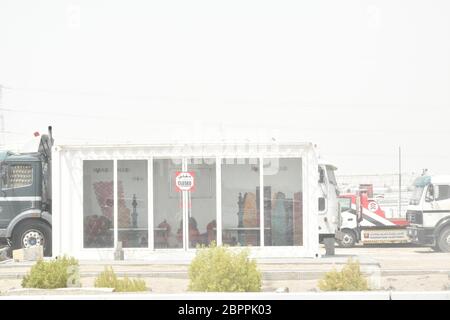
401, 257
398, 283
434, 282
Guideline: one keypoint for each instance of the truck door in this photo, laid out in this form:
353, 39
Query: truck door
5, 214
437, 204
442, 197
18, 192
428, 207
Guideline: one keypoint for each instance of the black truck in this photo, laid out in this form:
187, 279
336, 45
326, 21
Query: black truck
25, 197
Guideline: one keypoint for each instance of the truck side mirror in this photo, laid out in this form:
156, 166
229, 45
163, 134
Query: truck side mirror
322, 205
4, 176
430, 195
3, 180
321, 176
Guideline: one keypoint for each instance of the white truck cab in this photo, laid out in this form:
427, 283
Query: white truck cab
328, 201
429, 212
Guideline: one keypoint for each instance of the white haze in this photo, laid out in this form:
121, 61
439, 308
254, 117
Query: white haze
358, 78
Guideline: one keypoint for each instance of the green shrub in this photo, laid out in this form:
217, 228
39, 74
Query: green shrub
51, 274
108, 279
217, 269
349, 278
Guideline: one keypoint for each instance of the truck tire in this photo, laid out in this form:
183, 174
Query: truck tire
443, 241
348, 239
33, 232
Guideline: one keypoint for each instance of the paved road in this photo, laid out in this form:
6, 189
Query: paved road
403, 258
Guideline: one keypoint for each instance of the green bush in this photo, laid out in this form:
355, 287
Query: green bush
51, 274
349, 278
218, 269
108, 279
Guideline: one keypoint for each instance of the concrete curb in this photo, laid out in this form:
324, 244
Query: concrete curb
212, 296
435, 295
266, 275
271, 275
371, 295
325, 260
60, 290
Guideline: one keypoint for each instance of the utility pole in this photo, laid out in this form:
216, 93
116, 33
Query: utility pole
399, 181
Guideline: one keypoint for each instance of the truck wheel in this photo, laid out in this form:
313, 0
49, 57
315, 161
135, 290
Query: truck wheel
443, 241
33, 233
348, 239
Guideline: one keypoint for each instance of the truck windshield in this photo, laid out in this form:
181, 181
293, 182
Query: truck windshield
416, 195
345, 204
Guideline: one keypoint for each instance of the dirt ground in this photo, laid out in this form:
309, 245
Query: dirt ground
434, 282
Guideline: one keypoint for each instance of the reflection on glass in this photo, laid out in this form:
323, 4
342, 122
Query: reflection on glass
202, 202
98, 204
132, 188
167, 204
283, 198
240, 202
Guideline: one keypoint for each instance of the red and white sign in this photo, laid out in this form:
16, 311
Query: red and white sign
184, 181
373, 206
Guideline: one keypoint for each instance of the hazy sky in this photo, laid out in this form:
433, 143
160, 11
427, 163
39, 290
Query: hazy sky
358, 78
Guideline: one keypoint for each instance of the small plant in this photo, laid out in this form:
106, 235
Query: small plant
218, 269
52, 274
108, 279
349, 278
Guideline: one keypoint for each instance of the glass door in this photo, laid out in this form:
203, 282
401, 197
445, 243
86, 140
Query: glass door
201, 202
184, 203
168, 205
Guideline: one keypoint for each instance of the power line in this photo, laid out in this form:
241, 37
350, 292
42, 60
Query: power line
302, 104
103, 94
54, 113
305, 129
15, 133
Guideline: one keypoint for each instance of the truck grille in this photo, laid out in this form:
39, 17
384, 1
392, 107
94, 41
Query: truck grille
414, 217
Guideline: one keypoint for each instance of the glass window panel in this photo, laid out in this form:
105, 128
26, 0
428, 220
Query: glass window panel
443, 192
283, 197
19, 176
202, 204
132, 202
167, 205
98, 203
240, 202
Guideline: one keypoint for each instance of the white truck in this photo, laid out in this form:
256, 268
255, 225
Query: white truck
429, 212
328, 202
